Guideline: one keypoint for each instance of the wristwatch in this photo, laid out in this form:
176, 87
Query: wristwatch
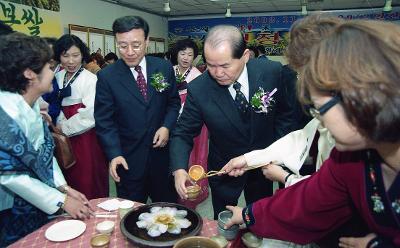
60, 205
64, 189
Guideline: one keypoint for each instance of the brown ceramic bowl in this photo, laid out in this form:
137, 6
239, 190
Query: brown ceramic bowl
100, 241
139, 236
197, 242
251, 241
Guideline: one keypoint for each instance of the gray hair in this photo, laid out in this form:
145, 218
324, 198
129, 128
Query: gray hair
226, 33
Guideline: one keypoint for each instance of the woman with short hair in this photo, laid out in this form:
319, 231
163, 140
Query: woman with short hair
32, 186
77, 91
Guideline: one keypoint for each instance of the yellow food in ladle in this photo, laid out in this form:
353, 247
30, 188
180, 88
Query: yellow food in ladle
196, 172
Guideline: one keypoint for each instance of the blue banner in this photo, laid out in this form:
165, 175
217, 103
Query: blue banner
269, 31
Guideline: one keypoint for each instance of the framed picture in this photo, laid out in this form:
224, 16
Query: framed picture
151, 48
96, 42
156, 45
109, 44
81, 34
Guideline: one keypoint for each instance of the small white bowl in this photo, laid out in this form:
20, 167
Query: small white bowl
124, 207
105, 227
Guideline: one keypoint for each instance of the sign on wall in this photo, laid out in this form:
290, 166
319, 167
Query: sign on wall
31, 20
269, 31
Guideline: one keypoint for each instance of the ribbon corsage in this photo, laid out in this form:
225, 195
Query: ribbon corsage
262, 101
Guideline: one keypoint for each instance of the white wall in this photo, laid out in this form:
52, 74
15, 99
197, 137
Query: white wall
99, 14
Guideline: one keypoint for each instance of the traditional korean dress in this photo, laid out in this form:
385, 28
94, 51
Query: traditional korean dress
29, 173
90, 173
199, 153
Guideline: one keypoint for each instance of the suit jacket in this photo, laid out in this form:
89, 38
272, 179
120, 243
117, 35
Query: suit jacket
263, 56
211, 104
289, 80
125, 123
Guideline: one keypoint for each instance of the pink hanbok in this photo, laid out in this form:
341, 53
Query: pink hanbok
199, 153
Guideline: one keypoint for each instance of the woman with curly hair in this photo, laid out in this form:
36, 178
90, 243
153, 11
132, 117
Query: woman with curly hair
32, 186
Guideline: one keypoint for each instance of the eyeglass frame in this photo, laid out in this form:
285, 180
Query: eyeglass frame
318, 112
134, 47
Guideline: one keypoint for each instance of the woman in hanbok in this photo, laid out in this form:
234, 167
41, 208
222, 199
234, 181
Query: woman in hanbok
352, 83
32, 186
183, 55
77, 90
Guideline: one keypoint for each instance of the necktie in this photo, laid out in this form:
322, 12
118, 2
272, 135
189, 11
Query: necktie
240, 99
141, 82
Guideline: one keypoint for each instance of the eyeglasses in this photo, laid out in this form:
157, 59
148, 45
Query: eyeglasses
317, 113
123, 47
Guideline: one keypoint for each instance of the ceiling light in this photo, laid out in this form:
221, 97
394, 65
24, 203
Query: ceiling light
304, 10
388, 6
228, 11
166, 7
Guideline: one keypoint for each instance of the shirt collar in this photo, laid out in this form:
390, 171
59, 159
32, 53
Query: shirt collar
244, 83
142, 65
244, 78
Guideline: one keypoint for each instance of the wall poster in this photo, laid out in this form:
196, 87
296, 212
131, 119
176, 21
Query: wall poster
269, 31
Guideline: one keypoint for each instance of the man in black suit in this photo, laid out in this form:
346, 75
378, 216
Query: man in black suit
261, 52
134, 116
219, 98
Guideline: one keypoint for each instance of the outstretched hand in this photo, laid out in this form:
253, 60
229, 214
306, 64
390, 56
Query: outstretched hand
236, 217
275, 172
356, 242
235, 167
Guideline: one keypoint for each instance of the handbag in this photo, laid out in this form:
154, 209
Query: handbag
63, 148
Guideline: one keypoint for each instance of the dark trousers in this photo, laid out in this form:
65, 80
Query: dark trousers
156, 183
226, 190
158, 188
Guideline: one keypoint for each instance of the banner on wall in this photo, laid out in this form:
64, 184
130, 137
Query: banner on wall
30, 20
270, 31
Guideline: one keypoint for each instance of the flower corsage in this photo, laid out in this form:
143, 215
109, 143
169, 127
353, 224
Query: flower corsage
159, 82
180, 78
262, 100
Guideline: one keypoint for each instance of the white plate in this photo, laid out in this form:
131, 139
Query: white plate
65, 230
109, 205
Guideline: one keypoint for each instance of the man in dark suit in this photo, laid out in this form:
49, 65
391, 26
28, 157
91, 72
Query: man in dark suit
134, 116
261, 52
214, 99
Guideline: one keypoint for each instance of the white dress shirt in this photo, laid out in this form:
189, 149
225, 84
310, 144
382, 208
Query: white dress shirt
244, 82
143, 67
